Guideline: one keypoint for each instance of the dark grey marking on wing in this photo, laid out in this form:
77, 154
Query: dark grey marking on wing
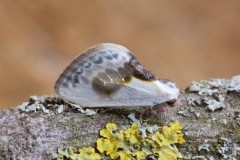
74, 85
69, 78
96, 59
108, 57
106, 54
79, 72
75, 70
115, 55
86, 64
76, 79
65, 84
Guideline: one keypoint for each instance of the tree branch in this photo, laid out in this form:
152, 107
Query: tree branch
209, 112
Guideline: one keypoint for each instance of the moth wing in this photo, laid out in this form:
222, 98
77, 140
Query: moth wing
102, 77
94, 75
138, 93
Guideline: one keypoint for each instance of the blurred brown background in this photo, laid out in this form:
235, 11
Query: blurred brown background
180, 40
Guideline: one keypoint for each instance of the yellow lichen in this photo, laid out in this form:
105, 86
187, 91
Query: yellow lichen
164, 141
133, 135
129, 144
111, 142
88, 154
126, 144
79, 154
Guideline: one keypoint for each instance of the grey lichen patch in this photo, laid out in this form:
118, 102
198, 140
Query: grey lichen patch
193, 107
134, 119
224, 149
213, 104
215, 86
33, 105
183, 113
56, 104
193, 101
204, 146
60, 109
213, 92
37, 104
144, 128
88, 112
234, 84
237, 116
216, 105
228, 149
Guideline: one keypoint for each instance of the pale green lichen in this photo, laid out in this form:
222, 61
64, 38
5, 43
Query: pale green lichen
234, 84
134, 119
38, 104
88, 112
216, 86
213, 90
228, 149
144, 128
193, 101
34, 104
204, 146
129, 144
60, 109
213, 104
203, 88
237, 116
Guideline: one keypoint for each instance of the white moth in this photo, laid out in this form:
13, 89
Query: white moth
109, 75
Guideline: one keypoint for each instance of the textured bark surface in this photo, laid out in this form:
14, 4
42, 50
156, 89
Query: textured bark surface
38, 135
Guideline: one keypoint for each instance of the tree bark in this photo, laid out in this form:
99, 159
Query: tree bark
209, 133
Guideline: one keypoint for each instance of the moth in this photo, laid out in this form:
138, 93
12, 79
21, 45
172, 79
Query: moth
109, 75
